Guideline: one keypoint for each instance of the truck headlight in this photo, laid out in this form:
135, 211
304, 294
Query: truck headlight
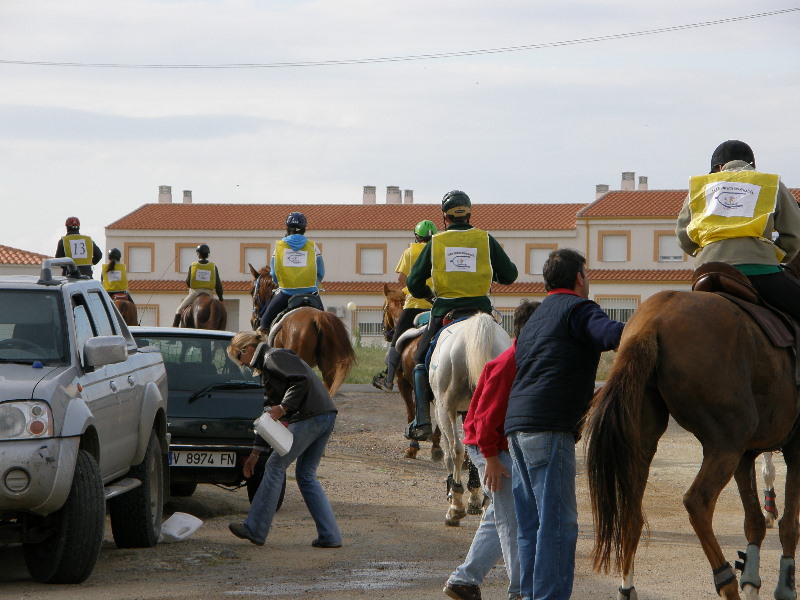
25, 420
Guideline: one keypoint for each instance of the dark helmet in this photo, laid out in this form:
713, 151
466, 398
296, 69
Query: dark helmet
73, 223
114, 254
296, 220
203, 250
732, 150
456, 204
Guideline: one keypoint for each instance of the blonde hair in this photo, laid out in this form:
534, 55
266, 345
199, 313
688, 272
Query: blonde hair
241, 341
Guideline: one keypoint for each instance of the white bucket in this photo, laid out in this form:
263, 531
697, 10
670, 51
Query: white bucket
178, 527
274, 432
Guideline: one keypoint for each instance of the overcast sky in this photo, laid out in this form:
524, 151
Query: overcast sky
545, 124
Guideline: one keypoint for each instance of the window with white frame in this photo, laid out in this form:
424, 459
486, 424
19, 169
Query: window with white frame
619, 308
537, 258
187, 255
668, 249
147, 314
369, 322
615, 248
372, 261
258, 256
140, 259
506, 319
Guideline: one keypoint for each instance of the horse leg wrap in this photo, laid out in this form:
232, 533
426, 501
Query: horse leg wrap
627, 594
453, 487
723, 576
414, 444
769, 502
785, 589
749, 566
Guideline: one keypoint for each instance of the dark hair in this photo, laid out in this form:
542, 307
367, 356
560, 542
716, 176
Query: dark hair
561, 268
522, 313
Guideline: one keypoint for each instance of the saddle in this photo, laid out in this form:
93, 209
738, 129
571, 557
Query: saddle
727, 281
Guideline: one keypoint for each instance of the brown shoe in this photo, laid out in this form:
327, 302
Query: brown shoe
460, 591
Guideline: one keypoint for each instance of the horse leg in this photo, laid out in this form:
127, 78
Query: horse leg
454, 456
437, 454
788, 524
406, 393
700, 500
770, 507
754, 527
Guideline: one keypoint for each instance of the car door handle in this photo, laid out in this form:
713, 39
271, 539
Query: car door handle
113, 385
131, 380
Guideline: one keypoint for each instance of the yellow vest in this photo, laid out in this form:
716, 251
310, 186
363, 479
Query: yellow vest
732, 204
116, 280
461, 265
296, 268
79, 248
414, 251
202, 276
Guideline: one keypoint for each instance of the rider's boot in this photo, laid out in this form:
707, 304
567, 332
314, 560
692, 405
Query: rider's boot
420, 428
176, 322
385, 379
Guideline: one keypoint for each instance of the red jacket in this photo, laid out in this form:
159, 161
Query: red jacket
484, 425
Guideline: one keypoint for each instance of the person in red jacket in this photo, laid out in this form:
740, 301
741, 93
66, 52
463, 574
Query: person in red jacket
487, 446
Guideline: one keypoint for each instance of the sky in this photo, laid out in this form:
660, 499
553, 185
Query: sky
584, 99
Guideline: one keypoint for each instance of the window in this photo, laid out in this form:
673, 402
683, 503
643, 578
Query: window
139, 258
506, 319
99, 314
619, 308
667, 248
615, 246
369, 322
185, 255
371, 259
147, 314
254, 254
535, 257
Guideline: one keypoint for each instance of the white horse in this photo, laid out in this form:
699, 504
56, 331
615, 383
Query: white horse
461, 352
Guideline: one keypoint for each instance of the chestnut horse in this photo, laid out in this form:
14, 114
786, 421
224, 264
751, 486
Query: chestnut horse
318, 337
126, 308
206, 312
699, 358
392, 307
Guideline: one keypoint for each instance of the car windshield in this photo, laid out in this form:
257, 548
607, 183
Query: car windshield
32, 327
194, 363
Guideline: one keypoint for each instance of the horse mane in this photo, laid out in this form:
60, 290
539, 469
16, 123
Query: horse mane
396, 296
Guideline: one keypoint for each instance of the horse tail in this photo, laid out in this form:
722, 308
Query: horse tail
334, 344
478, 333
617, 472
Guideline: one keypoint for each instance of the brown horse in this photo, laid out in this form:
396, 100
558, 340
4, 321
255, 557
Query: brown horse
392, 307
699, 358
126, 308
206, 312
317, 336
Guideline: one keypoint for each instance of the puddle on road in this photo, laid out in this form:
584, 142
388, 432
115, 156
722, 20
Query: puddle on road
376, 576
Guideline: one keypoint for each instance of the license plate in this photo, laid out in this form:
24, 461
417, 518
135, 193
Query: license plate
202, 459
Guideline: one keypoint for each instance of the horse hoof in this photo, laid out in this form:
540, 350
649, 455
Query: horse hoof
769, 521
452, 522
474, 509
411, 453
437, 454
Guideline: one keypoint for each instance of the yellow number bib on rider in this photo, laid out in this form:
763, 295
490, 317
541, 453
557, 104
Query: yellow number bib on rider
202, 276
461, 265
296, 268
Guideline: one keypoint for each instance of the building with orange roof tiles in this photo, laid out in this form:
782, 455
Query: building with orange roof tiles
14, 261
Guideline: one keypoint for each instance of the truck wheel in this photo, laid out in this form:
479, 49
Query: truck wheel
136, 515
70, 553
182, 489
255, 481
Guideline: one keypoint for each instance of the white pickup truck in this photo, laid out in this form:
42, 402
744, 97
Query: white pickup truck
82, 421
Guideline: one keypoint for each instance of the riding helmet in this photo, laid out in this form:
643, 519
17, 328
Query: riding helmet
732, 150
114, 254
296, 220
73, 223
425, 229
456, 203
203, 250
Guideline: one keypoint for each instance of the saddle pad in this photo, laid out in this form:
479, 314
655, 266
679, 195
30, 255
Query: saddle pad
780, 330
407, 336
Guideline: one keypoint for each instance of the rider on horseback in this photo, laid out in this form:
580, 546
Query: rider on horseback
115, 276
202, 277
296, 266
745, 218
463, 261
423, 232
80, 248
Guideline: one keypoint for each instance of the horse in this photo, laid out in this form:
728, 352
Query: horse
318, 337
205, 312
699, 358
126, 308
392, 306
462, 350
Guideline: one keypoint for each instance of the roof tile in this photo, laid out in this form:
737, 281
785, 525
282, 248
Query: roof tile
15, 256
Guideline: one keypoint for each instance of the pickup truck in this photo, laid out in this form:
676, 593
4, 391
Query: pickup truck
82, 425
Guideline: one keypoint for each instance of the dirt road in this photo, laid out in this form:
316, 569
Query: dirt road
396, 546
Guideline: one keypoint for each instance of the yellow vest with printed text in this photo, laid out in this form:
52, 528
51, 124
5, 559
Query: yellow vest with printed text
202, 276
413, 251
732, 204
116, 280
79, 248
296, 268
461, 265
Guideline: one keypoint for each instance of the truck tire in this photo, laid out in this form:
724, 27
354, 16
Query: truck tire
70, 553
255, 481
136, 515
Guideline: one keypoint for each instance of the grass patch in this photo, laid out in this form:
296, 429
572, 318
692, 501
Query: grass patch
369, 361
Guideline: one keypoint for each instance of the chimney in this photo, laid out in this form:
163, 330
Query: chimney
393, 194
187, 196
600, 190
627, 181
369, 195
408, 196
165, 194
642, 183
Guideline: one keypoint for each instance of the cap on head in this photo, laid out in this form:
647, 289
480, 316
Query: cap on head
456, 204
425, 229
114, 254
732, 150
203, 250
73, 223
296, 220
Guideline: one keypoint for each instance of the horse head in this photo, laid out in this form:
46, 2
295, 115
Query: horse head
261, 293
392, 307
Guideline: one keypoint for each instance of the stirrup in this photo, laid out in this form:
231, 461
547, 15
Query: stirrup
379, 381
419, 433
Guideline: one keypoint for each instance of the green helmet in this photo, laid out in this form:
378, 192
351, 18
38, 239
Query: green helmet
456, 203
425, 229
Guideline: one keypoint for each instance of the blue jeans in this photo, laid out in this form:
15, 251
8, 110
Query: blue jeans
543, 474
496, 536
310, 438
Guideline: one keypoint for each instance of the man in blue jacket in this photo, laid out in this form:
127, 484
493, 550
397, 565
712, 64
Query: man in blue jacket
558, 352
